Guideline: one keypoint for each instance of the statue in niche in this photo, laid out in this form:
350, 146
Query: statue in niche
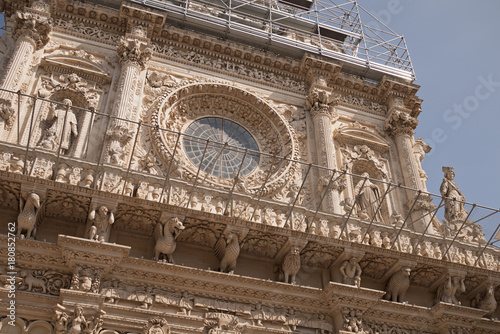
368, 198
447, 291
227, 251
454, 206
351, 272
291, 265
398, 285
165, 236
101, 221
64, 125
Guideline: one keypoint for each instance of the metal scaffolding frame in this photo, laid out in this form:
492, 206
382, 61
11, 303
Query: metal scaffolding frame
308, 211
334, 29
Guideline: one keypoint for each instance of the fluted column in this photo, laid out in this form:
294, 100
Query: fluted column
31, 33
321, 106
400, 125
133, 54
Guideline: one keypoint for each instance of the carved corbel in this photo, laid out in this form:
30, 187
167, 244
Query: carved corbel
134, 51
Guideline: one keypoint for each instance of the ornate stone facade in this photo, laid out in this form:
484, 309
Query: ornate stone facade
289, 190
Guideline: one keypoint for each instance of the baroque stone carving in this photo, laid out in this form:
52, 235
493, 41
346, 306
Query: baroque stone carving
64, 128
27, 219
321, 102
134, 51
448, 290
165, 236
71, 82
368, 198
100, 221
486, 301
352, 320
398, 285
86, 279
454, 206
351, 272
43, 281
400, 122
291, 265
33, 25
227, 251
77, 323
156, 326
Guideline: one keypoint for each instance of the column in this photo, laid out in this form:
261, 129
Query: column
133, 54
400, 125
31, 33
320, 103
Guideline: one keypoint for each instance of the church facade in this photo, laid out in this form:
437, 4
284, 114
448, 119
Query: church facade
224, 167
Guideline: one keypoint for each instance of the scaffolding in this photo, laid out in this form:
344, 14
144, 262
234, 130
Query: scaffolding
300, 210
336, 30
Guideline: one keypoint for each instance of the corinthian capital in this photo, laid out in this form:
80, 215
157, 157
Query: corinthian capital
34, 24
400, 122
320, 102
133, 51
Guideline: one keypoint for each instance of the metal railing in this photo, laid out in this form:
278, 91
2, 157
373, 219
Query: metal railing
373, 211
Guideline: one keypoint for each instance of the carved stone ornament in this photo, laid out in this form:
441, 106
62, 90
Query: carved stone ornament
43, 281
34, 24
165, 237
134, 51
351, 272
320, 102
398, 285
291, 265
156, 326
78, 321
72, 82
227, 250
447, 291
400, 122
176, 111
28, 218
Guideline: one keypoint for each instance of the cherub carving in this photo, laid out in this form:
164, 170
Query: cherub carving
227, 251
447, 291
291, 265
100, 222
398, 285
351, 272
27, 220
165, 237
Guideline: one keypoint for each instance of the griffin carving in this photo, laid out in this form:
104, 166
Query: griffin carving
165, 237
227, 251
29, 212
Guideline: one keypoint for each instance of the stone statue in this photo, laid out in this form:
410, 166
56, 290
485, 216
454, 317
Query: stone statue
351, 272
488, 302
64, 125
165, 237
101, 221
398, 285
27, 218
368, 198
454, 206
227, 251
447, 291
291, 265
78, 322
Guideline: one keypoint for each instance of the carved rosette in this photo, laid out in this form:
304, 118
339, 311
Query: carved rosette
274, 135
156, 326
134, 52
400, 122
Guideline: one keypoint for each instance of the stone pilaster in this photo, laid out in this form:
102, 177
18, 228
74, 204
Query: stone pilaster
400, 125
31, 33
133, 54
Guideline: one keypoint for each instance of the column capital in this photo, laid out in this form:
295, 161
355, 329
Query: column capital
321, 102
134, 51
34, 23
400, 122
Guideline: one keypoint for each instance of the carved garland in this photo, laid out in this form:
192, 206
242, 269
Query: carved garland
176, 110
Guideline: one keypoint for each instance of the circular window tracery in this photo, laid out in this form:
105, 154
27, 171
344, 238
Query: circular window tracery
219, 145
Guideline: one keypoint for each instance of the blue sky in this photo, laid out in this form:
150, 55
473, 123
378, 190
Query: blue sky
455, 50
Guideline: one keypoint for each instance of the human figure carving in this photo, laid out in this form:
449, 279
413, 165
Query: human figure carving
398, 285
165, 237
291, 265
448, 290
27, 218
101, 221
227, 251
368, 198
351, 272
64, 125
78, 322
454, 201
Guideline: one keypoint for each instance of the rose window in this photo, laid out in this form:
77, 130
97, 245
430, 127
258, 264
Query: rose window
221, 146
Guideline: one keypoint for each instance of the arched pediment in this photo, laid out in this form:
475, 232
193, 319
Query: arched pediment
357, 134
86, 67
